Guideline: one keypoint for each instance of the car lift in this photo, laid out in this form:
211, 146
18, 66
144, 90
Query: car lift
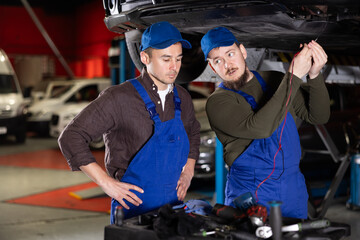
318, 213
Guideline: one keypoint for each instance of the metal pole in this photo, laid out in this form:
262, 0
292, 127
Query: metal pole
47, 38
122, 61
219, 173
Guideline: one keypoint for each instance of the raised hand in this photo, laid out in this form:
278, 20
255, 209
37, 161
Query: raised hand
301, 64
319, 58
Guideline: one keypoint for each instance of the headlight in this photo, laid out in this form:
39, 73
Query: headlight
22, 110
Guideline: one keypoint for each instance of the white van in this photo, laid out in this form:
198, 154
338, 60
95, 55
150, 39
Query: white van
12, 103
71, 92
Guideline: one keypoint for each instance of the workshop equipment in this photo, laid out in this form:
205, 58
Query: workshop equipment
263, 232
354, 200
227, 212
119, 216
257, 215
266, 232
245, 201
309, 225
275, 219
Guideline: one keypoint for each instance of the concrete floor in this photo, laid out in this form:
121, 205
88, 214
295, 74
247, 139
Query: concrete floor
26, 222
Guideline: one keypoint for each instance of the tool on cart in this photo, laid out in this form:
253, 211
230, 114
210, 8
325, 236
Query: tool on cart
247, 204
227, 213
245, 201
231, 233
119, 216
263, 232
266, 231
257, 215
303, 226
275, 219
238, 235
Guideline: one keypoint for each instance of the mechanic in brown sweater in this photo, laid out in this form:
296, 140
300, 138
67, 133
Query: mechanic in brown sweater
149, 127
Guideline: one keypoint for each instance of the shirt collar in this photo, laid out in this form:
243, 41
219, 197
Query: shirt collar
148, 83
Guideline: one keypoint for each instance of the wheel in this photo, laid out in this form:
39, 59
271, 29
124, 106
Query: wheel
133, 40
112, 7
97, 144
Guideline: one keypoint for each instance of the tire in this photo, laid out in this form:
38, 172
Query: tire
20, 137
111, 7
193, 63
133, 41
97, 144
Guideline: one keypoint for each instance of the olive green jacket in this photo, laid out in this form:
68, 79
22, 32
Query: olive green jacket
237, 125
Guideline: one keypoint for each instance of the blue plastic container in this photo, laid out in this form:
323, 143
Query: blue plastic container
355, 181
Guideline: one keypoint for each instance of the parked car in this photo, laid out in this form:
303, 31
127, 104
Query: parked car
46, 89
12, 103
75, 91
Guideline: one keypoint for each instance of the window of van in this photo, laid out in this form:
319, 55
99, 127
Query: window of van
58, 91
88, 94
7, 84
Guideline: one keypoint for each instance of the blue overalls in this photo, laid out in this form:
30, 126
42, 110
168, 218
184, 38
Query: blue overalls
156, 168
286, 184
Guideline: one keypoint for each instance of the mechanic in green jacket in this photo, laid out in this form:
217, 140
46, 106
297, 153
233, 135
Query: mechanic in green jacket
253, 116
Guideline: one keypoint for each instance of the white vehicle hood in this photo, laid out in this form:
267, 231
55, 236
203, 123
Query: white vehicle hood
45, 105
71, 108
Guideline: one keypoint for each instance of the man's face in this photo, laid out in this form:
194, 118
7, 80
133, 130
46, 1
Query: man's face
228, 62
163, 65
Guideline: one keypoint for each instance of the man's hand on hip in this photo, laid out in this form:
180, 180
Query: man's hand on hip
120, 191
112, 187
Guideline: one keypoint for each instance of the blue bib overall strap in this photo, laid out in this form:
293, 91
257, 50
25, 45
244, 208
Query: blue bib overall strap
156, 168
150, 106
286, 184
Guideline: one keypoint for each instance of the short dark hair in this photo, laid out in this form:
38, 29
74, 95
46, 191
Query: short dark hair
148, 51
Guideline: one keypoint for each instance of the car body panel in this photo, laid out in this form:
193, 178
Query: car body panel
40, 112
12, 103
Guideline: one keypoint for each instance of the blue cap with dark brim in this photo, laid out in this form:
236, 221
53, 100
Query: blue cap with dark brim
162, 35
217, 37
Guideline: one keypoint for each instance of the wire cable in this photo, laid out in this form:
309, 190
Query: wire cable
282, 129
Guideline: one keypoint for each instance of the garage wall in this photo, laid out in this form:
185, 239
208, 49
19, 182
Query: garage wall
79, 33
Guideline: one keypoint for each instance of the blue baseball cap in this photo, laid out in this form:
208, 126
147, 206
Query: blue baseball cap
217, 37
162, 35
